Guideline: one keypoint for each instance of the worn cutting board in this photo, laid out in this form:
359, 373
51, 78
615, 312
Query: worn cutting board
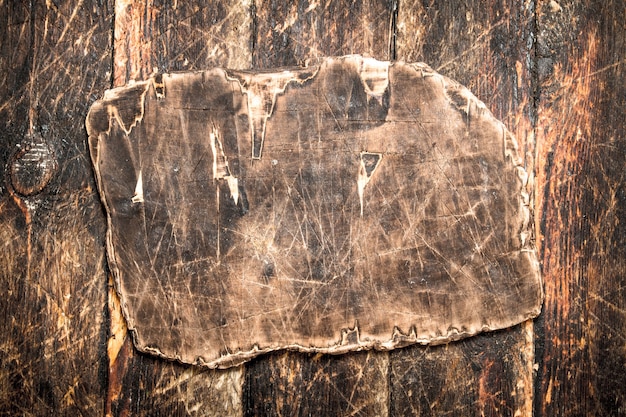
348, 205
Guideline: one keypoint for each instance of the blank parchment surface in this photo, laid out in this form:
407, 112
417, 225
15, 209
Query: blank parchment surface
348, 205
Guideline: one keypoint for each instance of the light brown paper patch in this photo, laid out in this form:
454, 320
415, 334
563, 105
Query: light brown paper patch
352, 205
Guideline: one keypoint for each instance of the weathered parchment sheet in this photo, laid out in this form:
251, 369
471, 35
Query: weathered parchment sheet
348, 205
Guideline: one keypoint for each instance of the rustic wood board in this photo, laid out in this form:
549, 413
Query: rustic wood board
54, 60
581, 139
352, 205
488, 47
289, 34
353, 384
564, 65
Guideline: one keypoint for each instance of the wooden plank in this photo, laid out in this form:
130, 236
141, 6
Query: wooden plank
57, 224
291, 33
168, 36
488, 48
143, 385
466, 378
306, 385
581, 132
336, 28
54, 61
164, 36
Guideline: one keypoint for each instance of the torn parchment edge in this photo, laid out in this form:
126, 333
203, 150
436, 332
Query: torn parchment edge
466, 103
350, 339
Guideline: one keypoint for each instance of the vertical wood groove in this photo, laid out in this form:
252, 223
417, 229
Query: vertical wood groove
170, 37
51, 347
393, 29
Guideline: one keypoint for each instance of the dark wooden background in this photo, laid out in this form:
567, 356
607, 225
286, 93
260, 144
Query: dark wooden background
552, 71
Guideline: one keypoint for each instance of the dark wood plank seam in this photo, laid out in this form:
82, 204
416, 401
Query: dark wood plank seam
393, 29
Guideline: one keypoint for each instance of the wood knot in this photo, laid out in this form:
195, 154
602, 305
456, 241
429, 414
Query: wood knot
32, 167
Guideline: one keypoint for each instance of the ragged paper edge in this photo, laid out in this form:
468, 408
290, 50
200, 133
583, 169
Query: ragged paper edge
344, 344
510, 156
94, 137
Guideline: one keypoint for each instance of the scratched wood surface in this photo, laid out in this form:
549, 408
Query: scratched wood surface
53, 62
581, 149
350, 205
268, 388
552, 71
171, 36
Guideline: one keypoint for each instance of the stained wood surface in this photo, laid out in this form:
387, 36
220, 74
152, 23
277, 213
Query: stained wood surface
52, 265
581, 153
560, 61
494, 39
258, 393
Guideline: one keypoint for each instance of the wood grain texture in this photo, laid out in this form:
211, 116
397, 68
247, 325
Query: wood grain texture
476, 377
304, 385
291, 33
580, 343
489, 47
333, 36
52, 264
576, 78
164, 36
